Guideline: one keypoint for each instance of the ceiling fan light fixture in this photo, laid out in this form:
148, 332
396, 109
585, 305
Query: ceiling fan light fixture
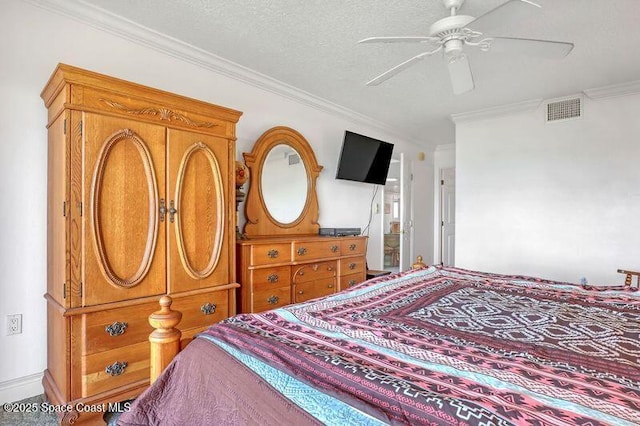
460, 74
453, 49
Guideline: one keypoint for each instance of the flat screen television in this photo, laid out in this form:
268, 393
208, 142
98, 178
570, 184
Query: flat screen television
364, 159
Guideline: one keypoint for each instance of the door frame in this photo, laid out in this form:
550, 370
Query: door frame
406, 213
403, 159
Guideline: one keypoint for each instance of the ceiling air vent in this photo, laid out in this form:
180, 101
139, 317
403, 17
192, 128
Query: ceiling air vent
294, 159
564, 109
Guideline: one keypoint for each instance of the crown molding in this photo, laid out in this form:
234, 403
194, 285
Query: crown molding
129, 30
614, 90
496, 111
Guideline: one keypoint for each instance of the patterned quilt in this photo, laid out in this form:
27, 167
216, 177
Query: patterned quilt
450, 346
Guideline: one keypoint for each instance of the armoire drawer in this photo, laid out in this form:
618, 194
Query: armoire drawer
353, 247
268, 254
351, 265
314, 271
265, 278
310, 250
110, 369
202, 310
114, 328
267, 299
310, 290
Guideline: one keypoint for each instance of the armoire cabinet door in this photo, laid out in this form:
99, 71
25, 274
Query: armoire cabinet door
199, 213
124, 240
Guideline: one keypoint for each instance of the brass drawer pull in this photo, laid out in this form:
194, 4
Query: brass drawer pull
352, 283
273, 278
334, 249
301, 292
302, 251
163, 209
329, 268
352, 265
273, 253
116, 369
208, 308
273, 300
352, 247
330, 286
172, 211
116, 329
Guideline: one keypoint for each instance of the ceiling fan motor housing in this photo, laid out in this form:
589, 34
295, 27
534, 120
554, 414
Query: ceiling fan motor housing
450, 27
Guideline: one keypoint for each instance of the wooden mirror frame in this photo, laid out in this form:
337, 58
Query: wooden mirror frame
260, 223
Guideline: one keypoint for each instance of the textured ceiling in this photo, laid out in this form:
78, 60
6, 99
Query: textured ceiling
311, 45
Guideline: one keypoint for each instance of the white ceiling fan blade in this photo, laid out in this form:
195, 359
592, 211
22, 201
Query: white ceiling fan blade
399, 40
398, 68
541, 48
511, 11
460, 73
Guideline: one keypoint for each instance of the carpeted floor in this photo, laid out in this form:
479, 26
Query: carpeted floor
18, 415
33, 411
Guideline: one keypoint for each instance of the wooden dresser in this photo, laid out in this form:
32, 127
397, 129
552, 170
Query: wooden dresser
140, 204
283, 260
274, 272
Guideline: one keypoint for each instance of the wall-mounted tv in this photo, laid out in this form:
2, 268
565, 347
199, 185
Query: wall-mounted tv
364, 159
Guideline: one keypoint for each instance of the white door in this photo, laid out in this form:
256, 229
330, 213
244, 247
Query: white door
406, 214
447, 215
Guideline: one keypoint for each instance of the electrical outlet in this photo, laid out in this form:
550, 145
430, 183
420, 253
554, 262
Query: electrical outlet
14, 324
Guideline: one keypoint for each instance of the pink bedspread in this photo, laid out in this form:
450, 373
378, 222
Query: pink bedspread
455, 347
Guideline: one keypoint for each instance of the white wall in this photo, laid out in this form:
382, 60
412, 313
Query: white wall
558, 200
34, 41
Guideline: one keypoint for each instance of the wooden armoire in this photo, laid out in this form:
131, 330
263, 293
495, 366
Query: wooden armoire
141, 194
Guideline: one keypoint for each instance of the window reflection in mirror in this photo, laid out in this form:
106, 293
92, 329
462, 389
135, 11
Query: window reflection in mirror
284, 184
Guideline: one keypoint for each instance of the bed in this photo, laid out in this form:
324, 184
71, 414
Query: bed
436, 346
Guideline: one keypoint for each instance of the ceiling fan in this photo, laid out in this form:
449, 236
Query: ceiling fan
453, 33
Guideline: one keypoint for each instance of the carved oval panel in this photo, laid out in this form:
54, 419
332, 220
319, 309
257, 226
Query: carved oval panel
201, 215
124, 202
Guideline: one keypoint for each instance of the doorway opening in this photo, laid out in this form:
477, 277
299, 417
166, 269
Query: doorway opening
397, 217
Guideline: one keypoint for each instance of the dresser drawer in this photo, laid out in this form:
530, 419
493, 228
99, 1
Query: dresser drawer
309, 250
264, 300
314, 271
353, 246
202, 310
351, 265
268, 254
115, 328
348, 281
266, 278
310, 290
108, 370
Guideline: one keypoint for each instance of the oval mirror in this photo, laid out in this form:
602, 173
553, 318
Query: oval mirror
282, 198
284, 183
